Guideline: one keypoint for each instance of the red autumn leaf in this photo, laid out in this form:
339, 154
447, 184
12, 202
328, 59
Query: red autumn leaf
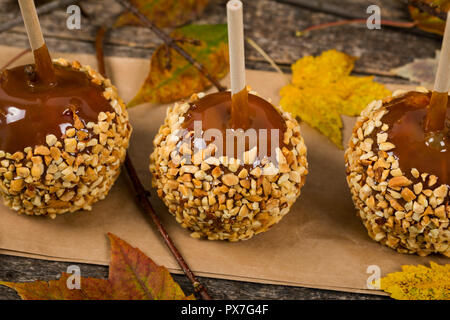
132, 276
164, 14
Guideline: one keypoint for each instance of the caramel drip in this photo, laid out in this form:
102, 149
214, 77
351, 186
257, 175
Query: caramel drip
436, 112
30, 109
414, 148
239, 110
214, 111
44, 66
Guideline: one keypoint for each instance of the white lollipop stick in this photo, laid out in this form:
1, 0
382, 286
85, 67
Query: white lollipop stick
441, 83
236, 45
44, 66
30, 18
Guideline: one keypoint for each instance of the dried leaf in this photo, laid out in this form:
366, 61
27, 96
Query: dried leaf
422, 71
438, 5
419, 283
165, 85
428, 22
322, 89
164, 13
132, 276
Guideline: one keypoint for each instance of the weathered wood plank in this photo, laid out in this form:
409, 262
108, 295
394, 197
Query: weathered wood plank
23, 269
354, 9
379, 50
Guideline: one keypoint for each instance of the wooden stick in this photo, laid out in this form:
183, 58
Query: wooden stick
437, 110
42, 60
239, 106
236, 45
31, 21
443, 71
45, 8
142, 195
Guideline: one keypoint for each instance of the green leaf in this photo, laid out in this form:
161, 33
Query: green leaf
164, 85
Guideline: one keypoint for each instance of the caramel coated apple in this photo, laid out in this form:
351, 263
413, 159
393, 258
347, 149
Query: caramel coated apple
230, 196
398, 174
62, 143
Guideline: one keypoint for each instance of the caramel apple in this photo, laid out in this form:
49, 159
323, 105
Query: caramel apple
232, 196
64, 134
398, 173
229, 165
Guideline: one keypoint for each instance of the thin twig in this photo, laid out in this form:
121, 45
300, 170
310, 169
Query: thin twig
170, 42
14, 59
326, 7
397, 24
425, 7
147, 206
142, 194
264, 55
340, 11
45, 8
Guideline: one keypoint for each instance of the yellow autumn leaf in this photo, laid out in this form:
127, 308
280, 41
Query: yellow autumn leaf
322, 90
419, 283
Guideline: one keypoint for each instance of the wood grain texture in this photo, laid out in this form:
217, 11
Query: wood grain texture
20, 269
379, 50
272, 25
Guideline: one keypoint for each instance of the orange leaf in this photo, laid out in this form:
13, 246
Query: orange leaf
164, 85
132, 276
164, 13
135, 276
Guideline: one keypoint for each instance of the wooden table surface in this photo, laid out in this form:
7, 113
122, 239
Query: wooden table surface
271, 24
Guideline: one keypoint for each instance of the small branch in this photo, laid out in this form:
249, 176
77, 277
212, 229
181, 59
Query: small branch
46, 8
142, 194
338, 10
170, 42
266, 57
396, 24
14, 59
142, 198
327, 7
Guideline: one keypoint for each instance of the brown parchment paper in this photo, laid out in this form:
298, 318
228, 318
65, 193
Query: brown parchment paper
319, 244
